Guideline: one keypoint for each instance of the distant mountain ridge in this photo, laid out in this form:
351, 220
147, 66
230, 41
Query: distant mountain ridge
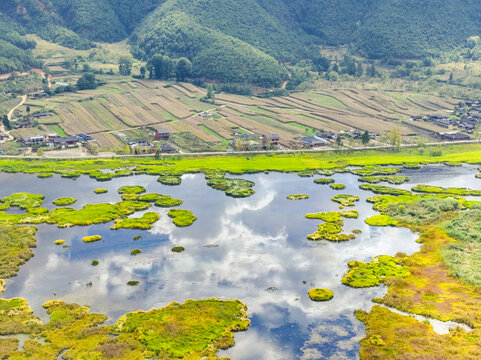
249, 38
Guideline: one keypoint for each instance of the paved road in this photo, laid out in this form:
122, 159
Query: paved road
317, 150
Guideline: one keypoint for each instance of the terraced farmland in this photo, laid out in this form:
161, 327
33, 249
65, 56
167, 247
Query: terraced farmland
119, 106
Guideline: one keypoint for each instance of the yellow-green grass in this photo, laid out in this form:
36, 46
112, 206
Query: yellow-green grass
201, 327
64, 201
178, 249
393, 336
182, 218
143, 223
380, 269
345, 199
16, 243
22, 200
381, 220
91, 238
330, 231
469, 153
101, 191
59, 242
320, 294
297, 197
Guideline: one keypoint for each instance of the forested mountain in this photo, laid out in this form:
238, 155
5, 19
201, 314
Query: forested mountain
15, 49
247, 41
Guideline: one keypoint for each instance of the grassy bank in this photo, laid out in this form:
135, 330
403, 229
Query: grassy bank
288, 162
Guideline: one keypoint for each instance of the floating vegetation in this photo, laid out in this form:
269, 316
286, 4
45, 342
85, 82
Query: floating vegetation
375, 170
238, 188
320, 294
132, 189
170, 180
307, 173
450, 190
478, 176
101, 191
297, 197
324, 181
331, 232
59, 242
395, 180
95, 263
182, 218
384, 190
334, 216
337, 186
22, 200
16, 243
167, 202
345, 199
202, 327
135, 252
453, 163
133, 283
137, 237
44, 175
143, 223
178, 249
381, 220
357, 231
64, 201
92, 238
412, 165
380, 269
93, 213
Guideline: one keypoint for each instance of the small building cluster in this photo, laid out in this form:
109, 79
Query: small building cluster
254, 142
143, 146
53, 141
28, 121
465, 117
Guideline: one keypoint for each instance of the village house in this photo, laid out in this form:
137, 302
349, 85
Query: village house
141, 146
65, 142
3, 137
272, 139
327, 135
162, 134
23, 124
40, 115
454, 136
314, 141
167, 149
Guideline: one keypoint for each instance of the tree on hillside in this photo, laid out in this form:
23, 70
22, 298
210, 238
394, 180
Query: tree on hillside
28, 109
371, 71
210, 93
183, 69
395, 138
87, 81
125, 65
6, 123
162, 67
142, 72
365, 138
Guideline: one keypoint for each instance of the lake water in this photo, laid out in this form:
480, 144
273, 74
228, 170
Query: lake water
253, 249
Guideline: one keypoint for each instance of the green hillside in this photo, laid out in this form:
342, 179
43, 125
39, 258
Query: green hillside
15, 50
244, 41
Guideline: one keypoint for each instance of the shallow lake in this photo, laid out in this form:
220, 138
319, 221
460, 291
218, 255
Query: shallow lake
253, 249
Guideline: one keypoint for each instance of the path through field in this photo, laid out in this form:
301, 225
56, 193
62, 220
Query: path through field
22, 101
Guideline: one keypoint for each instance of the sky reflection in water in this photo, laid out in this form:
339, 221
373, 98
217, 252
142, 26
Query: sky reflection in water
238, 248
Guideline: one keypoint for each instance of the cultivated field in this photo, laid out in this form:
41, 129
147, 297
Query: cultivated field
111, 112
